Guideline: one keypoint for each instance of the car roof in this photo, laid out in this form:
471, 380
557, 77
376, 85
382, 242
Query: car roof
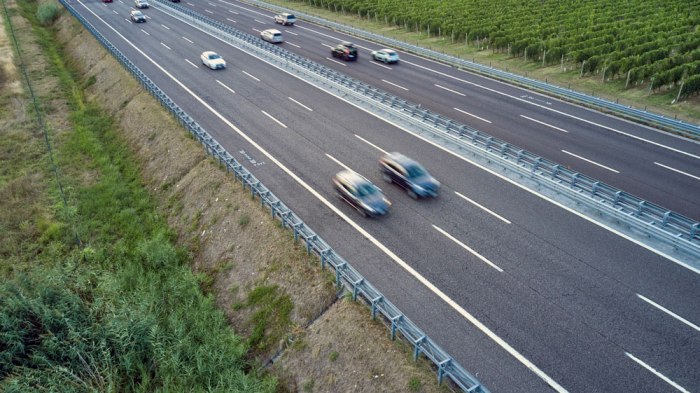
387, 50
351, 177
400, 159
209, 52
347, 43
273, 31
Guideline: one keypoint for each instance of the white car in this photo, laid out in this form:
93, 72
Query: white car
385, 55
272, 35
285, 19
141, 4
213, 60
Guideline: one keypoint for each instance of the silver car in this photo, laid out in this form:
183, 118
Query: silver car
141, 4
272, 35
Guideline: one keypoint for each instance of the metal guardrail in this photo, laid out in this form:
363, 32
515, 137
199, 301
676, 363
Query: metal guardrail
642, 116
345, 274
676, 231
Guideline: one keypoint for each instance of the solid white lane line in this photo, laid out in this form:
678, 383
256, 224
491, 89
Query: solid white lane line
321, 34
482, 207
225, 87
459, 309
188, 40
464, 246
289, 43
450, 90
394, 84
145, 32
336, 61
669, 312
165, 45
247, 9
231, 20
261, 22
590, 161
275, 120
472, 115
371, 144
166, 27
256, 79
658, 374
379, 64
193, 65
206, 10
300, 104
676, 170
338, 162
553, 110
290, 32
544, 124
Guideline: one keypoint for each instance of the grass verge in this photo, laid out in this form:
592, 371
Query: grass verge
122, 311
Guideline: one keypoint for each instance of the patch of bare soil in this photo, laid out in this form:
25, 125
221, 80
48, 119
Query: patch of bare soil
239, 247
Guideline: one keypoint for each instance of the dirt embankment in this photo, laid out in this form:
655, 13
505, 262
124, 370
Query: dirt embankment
243, 254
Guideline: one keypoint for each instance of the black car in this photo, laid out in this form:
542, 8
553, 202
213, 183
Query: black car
137, 16
408, 174
345, 50
361, 193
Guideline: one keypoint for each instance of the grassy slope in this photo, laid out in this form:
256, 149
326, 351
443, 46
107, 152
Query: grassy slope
121, 309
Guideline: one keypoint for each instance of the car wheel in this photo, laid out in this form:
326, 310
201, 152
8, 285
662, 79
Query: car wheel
364, 213
412, 194
386, 178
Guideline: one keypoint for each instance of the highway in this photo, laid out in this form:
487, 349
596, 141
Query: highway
526, 295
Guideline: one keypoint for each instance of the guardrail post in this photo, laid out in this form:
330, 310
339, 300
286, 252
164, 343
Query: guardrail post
536, 164
640, 207
308, 243
295, 228
338, 269
617, 197
441, 369
694, 230
594, 188
394, 322
323, 258
664, 221
574, 178
374, 306
520, 156
354, 288
555, 170
416, 346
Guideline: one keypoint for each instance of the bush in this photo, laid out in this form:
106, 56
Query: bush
47, 13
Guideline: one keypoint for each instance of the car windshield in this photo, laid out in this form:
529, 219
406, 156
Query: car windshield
214, 57
366, 189
415, 171
389, 52
138, 13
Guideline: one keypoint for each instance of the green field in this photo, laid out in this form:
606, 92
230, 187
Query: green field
649, 42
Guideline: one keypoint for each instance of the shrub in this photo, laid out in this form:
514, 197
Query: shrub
47, 13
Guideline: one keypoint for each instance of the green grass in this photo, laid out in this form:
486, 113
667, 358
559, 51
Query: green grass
121, 311
271, 316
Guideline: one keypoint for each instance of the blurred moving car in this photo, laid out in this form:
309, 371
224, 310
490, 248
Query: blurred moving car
213, 60
360, 193
386, 55
272, 35
345, 50
137, 16
285, 19
409, 175
141, 4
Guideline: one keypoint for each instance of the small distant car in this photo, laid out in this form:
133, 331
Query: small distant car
137, 16
345, 50
175, 1
106, 1
385, 55
285, 19
409, 175
361, 194
213, 60
272, 35
141, 4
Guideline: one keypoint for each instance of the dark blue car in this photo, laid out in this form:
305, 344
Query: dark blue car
408, 174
